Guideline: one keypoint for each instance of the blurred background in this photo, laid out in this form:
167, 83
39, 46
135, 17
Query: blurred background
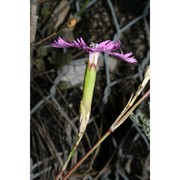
57, 81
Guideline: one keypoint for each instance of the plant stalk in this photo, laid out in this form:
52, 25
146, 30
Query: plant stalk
120, 121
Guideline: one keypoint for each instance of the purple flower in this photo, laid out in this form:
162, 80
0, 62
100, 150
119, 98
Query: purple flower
94, 50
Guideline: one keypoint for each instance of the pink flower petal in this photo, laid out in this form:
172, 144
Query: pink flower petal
106, 46
61, 43
109, 45
126, 57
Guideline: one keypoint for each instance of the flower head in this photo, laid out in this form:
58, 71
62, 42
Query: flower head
107, 46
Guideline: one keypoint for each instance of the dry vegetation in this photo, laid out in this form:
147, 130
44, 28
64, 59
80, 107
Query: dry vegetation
56, 89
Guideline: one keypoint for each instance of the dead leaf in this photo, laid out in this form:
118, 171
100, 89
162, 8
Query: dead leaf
61, 12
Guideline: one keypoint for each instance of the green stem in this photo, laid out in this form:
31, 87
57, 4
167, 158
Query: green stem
85, 108
88, 88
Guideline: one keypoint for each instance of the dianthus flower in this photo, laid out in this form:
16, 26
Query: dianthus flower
94, 50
